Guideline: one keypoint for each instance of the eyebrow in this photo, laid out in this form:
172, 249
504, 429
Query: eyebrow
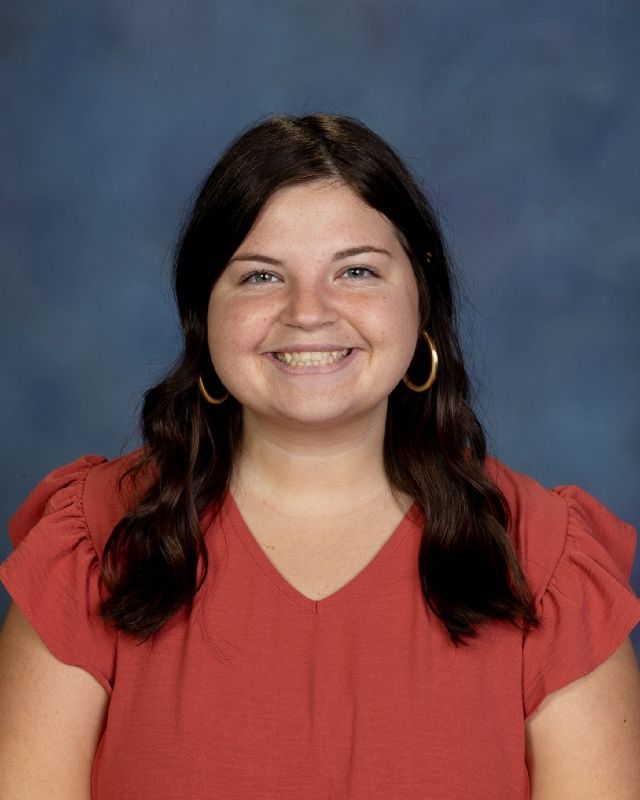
339, 256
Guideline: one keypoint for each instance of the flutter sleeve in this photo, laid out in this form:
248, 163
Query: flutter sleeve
52, 574
587, 607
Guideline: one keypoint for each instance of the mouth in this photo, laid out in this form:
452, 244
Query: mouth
311, 358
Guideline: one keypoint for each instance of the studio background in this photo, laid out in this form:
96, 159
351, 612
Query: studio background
522, 121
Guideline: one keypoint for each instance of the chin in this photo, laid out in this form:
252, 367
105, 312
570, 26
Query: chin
319, 417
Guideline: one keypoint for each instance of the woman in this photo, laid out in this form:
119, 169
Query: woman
311, 582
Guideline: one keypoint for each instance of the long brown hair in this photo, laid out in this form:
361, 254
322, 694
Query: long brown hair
434, 447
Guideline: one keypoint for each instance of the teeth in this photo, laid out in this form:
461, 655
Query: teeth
310, 359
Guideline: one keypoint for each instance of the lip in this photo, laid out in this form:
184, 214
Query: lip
316, 369
309, 348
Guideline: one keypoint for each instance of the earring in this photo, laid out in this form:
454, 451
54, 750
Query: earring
213, 400
434, 368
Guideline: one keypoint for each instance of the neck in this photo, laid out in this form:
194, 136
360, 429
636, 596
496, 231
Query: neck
295, 467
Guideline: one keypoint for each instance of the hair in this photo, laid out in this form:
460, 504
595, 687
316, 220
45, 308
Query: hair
434, 445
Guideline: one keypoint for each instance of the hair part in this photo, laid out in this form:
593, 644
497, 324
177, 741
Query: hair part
434, 446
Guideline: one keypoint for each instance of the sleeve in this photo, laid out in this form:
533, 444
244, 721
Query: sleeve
53, 573
588, 607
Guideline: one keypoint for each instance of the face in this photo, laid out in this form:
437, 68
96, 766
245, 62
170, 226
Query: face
315, 318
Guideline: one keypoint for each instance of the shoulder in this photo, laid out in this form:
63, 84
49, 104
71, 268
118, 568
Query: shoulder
555, 526
577, 557
538, 520
111, 490
90, 494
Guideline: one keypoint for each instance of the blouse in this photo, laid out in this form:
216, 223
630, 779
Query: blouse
260, 692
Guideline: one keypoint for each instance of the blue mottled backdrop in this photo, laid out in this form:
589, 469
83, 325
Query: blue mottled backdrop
522, 119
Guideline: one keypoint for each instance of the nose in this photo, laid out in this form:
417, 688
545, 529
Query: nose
308, 305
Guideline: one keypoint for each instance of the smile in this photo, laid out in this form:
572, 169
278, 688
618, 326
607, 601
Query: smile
311, 359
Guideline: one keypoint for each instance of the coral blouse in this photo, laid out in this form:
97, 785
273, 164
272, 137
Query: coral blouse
260, 693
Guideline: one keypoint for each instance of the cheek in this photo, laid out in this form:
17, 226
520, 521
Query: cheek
215, 324
407, 332
412, 310
404, 311
223, 346
220, 329
234, 328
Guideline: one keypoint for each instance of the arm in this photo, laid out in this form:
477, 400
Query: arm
51, 719
583, 741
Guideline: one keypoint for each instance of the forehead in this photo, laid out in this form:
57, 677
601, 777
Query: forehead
317, 212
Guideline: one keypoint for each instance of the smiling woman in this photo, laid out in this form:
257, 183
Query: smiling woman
328, 332
312, 582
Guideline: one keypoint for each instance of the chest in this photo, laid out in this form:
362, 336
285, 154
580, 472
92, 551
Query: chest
318, 554
365, 698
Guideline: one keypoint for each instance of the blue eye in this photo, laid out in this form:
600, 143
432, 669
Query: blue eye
260, 277
358, 273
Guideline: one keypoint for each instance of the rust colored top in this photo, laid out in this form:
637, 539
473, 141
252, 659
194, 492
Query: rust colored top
260, 693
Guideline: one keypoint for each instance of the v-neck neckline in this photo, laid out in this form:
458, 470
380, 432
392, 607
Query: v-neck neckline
342, 595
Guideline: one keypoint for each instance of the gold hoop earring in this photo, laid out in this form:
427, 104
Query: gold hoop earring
215, 401
434, 368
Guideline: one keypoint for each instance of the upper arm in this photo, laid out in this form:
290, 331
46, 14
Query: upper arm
51, 719
583, 742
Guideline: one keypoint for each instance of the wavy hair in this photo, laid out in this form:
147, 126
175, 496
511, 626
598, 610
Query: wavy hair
434, 446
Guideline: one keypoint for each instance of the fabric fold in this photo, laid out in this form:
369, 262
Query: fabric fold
53, 573
587, 607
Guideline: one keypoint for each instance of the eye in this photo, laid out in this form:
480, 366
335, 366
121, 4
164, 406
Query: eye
359, 273
259, 277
